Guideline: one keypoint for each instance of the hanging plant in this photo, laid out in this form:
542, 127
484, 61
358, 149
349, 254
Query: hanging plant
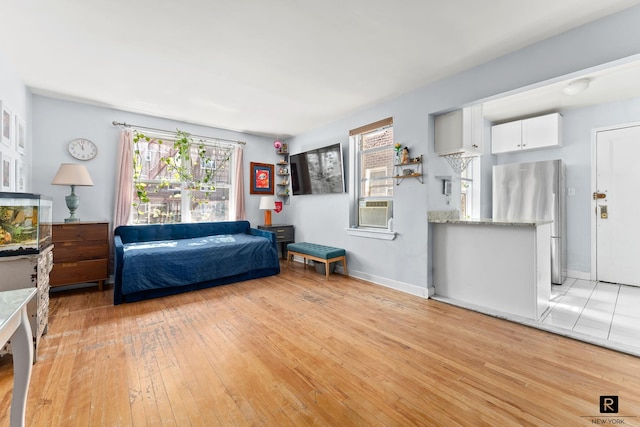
178, 165
140, 187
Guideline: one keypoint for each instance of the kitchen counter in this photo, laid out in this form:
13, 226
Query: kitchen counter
498, 265
490, 221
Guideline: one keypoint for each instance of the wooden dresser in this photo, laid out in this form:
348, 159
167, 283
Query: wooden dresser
284, 234
80, 253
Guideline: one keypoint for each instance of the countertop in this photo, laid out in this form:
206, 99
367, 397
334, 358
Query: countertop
490, 221
453, 217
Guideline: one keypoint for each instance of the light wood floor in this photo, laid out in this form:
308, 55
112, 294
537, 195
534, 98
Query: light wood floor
296, 350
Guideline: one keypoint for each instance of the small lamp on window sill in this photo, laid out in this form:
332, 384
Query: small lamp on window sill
72, 174
267, 204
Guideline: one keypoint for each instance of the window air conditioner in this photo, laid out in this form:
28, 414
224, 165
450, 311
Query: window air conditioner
375, 213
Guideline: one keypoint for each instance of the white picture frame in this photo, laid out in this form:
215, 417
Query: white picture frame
20, 183
20, 134
6, 172
7, 125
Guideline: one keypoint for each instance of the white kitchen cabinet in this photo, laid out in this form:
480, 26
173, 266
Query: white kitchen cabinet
459, 131
542, 132
511, 274
528, 134
506, 137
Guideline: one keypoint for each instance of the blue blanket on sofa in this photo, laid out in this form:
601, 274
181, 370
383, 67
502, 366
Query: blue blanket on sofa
167, 263
156, 260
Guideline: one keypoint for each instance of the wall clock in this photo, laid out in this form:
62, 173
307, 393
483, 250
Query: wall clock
82, 149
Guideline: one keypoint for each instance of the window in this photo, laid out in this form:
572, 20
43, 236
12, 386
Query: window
169, 199
470, 190
374, 156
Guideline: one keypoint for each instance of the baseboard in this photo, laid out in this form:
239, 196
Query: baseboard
393, 284
383, 281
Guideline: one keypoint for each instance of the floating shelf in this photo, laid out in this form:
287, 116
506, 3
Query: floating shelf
401, 167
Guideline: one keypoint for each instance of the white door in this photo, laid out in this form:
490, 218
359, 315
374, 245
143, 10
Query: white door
617, 198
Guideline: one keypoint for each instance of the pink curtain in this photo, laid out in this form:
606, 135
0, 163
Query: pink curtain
124, 179
239, 184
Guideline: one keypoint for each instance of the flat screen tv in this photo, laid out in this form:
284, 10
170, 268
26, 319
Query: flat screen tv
318, 171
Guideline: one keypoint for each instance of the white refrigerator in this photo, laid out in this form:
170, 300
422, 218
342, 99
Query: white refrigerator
535, 191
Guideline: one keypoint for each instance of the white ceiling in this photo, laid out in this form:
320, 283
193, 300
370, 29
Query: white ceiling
607, 83
269, 67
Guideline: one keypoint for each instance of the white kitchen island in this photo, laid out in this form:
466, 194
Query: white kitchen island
500, 267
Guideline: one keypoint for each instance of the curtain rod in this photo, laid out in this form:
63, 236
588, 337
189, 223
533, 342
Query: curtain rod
128, 125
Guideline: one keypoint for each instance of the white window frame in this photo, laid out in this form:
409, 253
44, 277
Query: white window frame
185, 194
355, 196
473, 196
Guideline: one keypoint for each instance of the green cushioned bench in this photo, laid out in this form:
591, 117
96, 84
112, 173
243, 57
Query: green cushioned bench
318, 253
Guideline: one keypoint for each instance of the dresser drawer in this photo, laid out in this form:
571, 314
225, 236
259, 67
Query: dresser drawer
284, 233
74, 251
80, 232
64, 273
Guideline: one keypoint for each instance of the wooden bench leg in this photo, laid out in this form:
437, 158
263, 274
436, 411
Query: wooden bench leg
344, 265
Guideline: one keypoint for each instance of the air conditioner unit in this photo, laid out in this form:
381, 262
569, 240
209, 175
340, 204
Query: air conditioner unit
374, 213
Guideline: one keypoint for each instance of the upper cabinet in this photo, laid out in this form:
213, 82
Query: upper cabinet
459, 131
528, 134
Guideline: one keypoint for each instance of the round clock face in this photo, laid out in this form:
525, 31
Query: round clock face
82, 149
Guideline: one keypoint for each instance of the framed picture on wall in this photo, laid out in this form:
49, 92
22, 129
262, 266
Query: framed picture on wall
5, 123
20, 135
20, 176
6, 175
261, 178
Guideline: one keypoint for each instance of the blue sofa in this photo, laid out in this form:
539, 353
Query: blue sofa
163, 259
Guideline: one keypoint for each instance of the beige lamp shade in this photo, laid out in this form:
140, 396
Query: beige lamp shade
72, 174
267, 202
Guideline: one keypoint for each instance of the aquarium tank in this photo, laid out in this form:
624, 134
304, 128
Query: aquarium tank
25, 223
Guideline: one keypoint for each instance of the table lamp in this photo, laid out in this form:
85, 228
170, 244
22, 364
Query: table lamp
267, 203
72, 174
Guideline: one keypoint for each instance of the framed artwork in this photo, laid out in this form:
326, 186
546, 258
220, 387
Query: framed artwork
20, 176
7, 126
20, 135
6, 175
261, 178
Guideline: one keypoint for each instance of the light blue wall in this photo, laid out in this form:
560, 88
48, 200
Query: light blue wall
57, 122
404, 263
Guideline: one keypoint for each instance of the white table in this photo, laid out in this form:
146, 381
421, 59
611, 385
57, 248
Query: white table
14, 326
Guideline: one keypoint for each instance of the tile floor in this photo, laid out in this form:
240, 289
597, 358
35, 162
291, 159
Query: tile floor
599, 313
607, 313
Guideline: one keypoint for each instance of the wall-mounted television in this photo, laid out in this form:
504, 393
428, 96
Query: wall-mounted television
318, 171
